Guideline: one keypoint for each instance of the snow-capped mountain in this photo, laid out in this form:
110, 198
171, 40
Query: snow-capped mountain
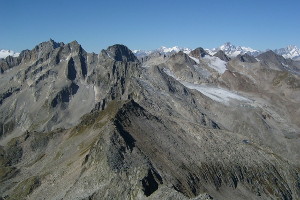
4, 53
174, 49
141, 53
290, 51
229, 49
162, 50
232, 50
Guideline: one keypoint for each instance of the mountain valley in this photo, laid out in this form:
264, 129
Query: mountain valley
170, 124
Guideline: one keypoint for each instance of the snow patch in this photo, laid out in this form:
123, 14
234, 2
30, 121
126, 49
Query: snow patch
217, 94
290, 51
216, 63
97, 93
204, 72
195, 59
169, 73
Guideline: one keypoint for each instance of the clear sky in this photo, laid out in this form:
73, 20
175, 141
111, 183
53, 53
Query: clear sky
149, 24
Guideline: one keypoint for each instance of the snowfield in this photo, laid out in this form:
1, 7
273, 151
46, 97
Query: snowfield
217, 94
216, 63
195, 59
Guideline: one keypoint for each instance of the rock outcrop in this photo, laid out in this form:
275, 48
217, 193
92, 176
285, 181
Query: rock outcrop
198, 53
78, 125
246, 58
220, 54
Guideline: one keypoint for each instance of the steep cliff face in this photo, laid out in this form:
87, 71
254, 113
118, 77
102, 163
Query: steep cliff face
77, 125
55, 78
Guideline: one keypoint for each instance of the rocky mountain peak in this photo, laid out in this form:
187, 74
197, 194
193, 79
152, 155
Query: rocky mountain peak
75, 47
291, 51
232, 50
272, 59
176, 126
48, 45
246, 58
181, 57
74, 43
227, 46
120, 52
220, 54
40, 51
198, 52
270, 55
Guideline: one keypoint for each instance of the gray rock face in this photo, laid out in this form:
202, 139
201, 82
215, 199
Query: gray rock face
272, 58
77, 125
185, 68
146, 58
39, 53
121, 53
246, 58
220, 54
275, 61
198, 53
181, 57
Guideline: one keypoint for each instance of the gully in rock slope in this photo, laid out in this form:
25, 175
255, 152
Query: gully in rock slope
78, 125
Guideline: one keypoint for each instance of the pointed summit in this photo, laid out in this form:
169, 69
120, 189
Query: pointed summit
270, 55
48, 44
181, 58
120, 52
220, 54
227, 46
272, 59
198, 53
291, 51
232, 51
246, 58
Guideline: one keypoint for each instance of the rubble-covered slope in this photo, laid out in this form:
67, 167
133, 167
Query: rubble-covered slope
77, 125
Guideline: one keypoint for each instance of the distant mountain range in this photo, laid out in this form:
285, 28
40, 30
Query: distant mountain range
290, 51
4, 53
162, 50
232, 50
80, 125
229, 49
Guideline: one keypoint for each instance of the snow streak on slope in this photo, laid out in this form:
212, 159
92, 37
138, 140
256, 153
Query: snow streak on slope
216, 63
195, 59
217, 94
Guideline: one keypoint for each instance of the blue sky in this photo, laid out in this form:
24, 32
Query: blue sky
149, 24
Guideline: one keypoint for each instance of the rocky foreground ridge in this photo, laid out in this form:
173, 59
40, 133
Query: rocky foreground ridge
78, 125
